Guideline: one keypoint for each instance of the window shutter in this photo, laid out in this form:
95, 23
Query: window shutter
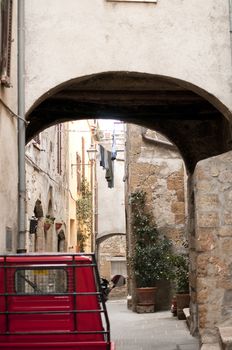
5, 37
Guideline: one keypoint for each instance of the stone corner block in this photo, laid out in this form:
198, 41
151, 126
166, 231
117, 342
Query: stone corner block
226, 337
210, 347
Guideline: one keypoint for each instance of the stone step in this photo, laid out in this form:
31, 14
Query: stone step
211, 347
225, 333
186, 312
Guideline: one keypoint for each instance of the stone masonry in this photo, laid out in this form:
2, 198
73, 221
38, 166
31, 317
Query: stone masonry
213, 245
158, 169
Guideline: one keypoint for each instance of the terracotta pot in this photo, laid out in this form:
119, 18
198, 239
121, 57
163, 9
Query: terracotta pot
174, 306
58, 225
182, 301
46, 226
146, 296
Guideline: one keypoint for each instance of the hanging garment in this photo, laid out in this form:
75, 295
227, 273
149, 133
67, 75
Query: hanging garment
110, 171
102, 156
113, 152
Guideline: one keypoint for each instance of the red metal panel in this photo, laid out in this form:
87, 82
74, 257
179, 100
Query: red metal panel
2, 297
58, 346
57, 318
87, 321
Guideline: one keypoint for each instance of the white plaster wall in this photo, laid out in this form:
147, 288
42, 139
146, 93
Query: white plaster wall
8, 153
8, 178
111, 201
77, 130
41, 175
189, 40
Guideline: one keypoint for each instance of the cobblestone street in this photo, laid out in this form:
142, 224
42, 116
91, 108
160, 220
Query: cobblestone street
159, 331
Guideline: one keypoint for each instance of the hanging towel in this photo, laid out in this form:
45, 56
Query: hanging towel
110, 171
113, 152
102, 156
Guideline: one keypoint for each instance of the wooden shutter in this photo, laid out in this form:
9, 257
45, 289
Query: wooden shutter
78, 167
5, 37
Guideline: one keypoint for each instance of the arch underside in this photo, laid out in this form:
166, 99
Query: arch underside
103, 237
190, 121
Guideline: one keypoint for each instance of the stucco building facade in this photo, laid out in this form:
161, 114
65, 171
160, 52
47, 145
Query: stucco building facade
8, 145
111, 228
47, 190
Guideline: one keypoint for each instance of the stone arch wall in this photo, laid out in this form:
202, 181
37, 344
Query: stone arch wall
211, 246
128, 37
112, 245
183, 112
187, 140
112, 260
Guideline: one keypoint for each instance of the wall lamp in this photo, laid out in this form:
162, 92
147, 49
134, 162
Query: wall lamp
91, 153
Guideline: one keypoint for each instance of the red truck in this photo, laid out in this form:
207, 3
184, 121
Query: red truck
52, 301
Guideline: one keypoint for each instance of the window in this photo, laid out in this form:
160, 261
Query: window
83, 156
59, 148
118, 266
40, 280
5, 39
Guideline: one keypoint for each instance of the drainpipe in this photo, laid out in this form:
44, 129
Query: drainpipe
21, 239
230, 18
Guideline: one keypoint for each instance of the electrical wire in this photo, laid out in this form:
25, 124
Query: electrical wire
13, 114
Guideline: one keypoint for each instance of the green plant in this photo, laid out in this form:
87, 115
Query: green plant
151, 260
84, 214
181, 273
49, 219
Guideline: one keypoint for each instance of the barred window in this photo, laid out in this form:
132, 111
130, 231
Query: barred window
41, 280
5, 41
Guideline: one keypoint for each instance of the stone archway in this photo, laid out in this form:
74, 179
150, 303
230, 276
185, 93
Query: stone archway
190, 117
111, 252
196, 122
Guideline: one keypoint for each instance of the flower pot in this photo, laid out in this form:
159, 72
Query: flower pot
46, 226
174, 306
58, 225
182, 301
146, 296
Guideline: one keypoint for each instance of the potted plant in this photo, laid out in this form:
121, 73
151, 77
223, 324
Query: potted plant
151, 259
181, 283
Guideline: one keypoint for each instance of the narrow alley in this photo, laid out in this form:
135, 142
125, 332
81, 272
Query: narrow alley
151, 331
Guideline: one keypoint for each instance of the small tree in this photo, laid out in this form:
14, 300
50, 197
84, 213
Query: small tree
84, 214
181, 273
151, 260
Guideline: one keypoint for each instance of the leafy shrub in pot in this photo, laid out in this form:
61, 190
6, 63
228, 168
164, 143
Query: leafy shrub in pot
152, 257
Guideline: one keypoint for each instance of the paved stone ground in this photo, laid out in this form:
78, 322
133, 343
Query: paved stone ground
154, 331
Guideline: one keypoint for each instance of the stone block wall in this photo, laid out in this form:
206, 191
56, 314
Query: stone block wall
110, 249
212, 272
158, 169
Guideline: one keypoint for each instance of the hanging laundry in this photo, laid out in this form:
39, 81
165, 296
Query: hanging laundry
107, 163
114, 151
102, 156
110, 171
